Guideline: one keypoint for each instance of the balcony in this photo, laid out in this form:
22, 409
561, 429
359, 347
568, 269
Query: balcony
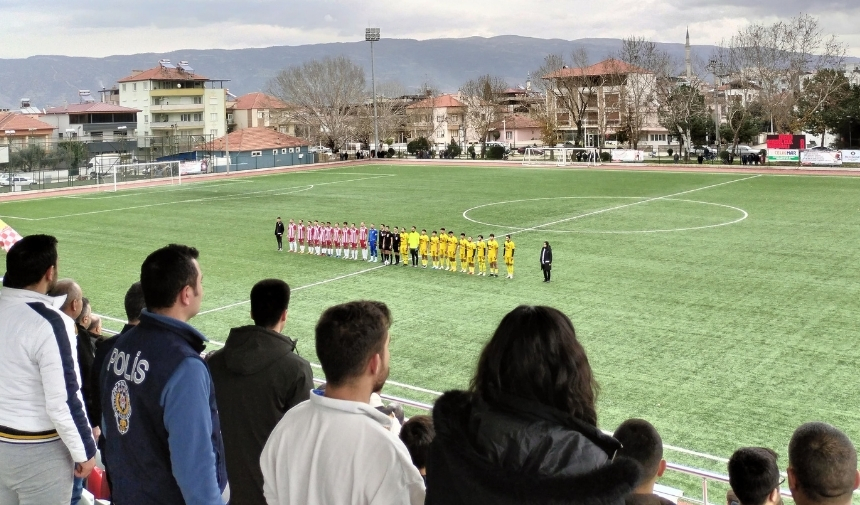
180, 125
177, 92
184, 107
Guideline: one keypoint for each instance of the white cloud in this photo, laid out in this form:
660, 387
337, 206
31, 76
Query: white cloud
101, 27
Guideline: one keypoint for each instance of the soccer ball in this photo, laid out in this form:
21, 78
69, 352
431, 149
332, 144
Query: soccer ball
385, 262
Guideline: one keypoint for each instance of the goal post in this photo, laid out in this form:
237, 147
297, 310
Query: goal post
561, 156
138, 172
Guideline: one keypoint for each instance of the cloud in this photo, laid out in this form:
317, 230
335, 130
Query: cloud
101, 27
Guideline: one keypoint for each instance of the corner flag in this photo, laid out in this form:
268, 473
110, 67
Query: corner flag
8, 236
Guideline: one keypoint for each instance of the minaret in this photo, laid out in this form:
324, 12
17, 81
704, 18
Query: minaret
528, 82
687, 59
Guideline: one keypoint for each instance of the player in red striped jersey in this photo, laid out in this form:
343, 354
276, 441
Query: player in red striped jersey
336, 240
291, 236
362, 240
300, 235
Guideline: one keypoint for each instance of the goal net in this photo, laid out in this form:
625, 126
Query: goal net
561, 156
164, 170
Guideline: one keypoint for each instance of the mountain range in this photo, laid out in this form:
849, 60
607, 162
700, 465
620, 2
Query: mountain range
444, 64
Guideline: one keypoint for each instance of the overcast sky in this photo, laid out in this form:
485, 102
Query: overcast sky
101, 27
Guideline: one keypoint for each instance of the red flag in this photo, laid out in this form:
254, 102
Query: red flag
8, 236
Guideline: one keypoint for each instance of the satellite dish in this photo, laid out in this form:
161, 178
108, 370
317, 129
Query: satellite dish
178, 85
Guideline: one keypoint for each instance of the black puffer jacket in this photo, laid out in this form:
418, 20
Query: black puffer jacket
519, 452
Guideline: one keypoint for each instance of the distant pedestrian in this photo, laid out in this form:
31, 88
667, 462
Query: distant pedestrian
546, 261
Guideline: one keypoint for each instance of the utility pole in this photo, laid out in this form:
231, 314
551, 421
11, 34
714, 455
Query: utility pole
372, 35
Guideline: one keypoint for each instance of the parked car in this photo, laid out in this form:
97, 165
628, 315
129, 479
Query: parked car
18, 180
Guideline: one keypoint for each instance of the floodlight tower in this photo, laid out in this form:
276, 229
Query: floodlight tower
372, 35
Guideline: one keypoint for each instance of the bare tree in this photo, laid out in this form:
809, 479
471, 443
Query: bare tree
483, 97
680, 103
571, 89
390, 112
327, 92
545, 112
639, 61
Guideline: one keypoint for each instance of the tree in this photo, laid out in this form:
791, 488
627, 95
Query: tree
29, 158
818, 106
570, 90
74, 153
483, 97
638, 64
843, 118
680, 104
390, 113
328, 92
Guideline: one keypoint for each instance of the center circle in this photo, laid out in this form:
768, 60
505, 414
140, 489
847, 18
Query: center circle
611, 213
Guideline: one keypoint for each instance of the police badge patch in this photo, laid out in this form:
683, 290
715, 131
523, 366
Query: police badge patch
121, 406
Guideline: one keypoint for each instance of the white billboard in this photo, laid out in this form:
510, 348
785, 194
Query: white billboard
776, 155
847, 156
193, 167
820, 157
627, 155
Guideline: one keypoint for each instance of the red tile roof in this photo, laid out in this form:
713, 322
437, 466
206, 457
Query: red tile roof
517, 122
258, 101
256, 139
95, 107
437, 101
605, 67
22, 124
160, 73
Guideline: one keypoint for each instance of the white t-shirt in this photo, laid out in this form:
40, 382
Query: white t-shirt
334, 452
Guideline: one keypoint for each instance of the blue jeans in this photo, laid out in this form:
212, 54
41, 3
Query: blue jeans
77, 490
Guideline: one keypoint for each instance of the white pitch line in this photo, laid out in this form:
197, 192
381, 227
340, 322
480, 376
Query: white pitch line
398, 384
251, 194
326, 281
159, 189
601, 211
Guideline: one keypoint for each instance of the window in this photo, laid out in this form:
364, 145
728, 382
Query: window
145, 85
274, 152
198, 116
229, 117
292, 150
185, 117
214, 133
120, 133
439, 119
60, 134
198, 100
213, 116
284, 150
509, 135
146, 118
134, 86
255, 154
658, 137
260, 115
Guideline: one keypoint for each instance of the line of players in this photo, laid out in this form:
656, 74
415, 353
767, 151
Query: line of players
442, 248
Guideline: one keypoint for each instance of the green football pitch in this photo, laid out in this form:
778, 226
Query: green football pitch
722, 307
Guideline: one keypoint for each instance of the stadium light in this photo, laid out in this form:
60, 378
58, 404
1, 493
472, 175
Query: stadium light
372, 35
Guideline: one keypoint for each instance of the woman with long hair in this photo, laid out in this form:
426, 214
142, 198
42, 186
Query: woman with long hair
526, 430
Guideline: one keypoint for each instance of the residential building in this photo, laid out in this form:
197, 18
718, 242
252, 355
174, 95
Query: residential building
619, 101
106, 127
439, 119
257, 147
18, 130
177, 107
517, 130
259, 109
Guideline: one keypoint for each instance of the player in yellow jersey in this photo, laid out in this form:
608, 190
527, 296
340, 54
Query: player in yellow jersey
509, 255
481, 254
452, 252
434, 249
493, 255
404, 245
423, 243
471, 247
443, 250
464, 251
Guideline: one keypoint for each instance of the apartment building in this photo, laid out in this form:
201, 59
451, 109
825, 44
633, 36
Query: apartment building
177, 106
107, 127
18, 130
439, 119
259, 109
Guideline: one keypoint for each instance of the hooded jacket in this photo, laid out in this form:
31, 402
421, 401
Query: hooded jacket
521, 452
258, 377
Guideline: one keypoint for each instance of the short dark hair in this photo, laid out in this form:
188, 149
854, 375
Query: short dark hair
134, 302
534, 354
824, 462
641, 442
269, 299
417, 433
347, 336
29, 259
753, 474
165, 273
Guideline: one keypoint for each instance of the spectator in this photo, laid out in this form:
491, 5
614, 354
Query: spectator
641, 443
416, 434
754, 476
40, 398
95, 327
526, 431
134, 305
822, 466
258, 377
336, 448
77, 307
163, 441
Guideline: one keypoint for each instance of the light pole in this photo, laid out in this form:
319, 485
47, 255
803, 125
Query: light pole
372, 35
713, 66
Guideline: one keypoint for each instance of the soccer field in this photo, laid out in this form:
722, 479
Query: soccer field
722, 307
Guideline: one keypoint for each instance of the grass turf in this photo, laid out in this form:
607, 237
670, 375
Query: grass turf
722, 335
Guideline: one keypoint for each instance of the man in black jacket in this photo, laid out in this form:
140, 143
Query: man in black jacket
279, 233
258, 377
